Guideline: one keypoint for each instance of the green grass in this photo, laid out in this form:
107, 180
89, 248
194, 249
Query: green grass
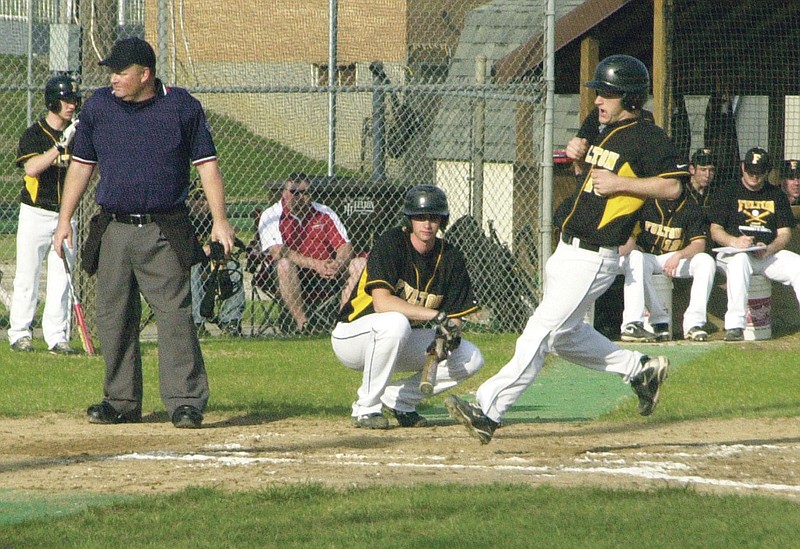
732, 381
270, 380
429, 516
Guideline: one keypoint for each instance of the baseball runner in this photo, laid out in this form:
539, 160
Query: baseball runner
628, 159
751, 213
415, 286
671, 241
44, 153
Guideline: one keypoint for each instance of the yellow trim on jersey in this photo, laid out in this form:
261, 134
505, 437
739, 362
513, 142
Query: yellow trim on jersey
362, 300
621, 205
32, 185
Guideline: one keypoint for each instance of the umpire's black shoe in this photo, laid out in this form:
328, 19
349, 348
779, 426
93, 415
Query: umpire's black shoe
105, 414
187, 417
407, 419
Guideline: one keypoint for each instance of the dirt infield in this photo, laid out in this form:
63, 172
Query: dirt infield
60, 453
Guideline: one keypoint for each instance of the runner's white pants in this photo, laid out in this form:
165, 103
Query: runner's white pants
639, 269
575, 278
783, 267
34, 244
381, 344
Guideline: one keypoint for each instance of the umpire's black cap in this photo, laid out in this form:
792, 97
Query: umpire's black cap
130, 51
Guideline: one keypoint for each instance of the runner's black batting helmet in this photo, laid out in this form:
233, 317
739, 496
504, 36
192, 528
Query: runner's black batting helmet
60, 88
624, 75
427, 199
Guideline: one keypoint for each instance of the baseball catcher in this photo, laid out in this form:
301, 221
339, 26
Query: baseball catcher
415, 290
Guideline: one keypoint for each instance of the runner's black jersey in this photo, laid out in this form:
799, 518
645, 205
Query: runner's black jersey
669, 225
630, 148
437, 280
759, 214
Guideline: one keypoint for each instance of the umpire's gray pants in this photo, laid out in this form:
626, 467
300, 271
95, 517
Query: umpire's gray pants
137, 259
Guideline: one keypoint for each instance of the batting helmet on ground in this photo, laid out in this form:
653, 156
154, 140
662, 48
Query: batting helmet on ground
60, 88
427, 199
623, 75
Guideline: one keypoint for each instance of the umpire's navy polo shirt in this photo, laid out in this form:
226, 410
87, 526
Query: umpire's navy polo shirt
143, 150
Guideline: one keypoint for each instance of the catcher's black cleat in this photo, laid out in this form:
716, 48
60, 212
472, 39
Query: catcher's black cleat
105, 414
471, 417
187, 417
407, 419
370, 421
647, 383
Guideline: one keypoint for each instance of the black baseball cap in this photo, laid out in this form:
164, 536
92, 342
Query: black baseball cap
703, 157
790, 169
130, 51
757, 161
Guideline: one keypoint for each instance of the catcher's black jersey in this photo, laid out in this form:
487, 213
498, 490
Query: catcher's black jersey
437, 280
630, 148
669, 225
43, 191
759, 214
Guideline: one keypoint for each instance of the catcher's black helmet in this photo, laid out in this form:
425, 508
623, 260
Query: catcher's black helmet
625, 75
60, 88
427, 199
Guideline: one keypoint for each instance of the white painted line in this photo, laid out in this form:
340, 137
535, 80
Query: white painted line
651, 470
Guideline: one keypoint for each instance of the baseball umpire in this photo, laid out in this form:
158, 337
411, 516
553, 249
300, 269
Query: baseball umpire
415, 286
44, 153
627, 160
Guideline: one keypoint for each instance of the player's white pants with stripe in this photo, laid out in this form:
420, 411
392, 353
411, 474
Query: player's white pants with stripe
639, 268
381, 344
783, 267
34, 244
575, 278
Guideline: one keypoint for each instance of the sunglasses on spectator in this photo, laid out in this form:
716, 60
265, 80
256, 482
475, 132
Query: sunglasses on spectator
298, 191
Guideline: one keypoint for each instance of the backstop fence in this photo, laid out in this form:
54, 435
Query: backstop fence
373, 97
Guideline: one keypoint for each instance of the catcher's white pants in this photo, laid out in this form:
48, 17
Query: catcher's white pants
34, 244
575, 278
639, 268
783, 267
381, 344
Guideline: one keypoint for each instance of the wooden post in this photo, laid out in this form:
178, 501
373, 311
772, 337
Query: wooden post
661, 89
590, 57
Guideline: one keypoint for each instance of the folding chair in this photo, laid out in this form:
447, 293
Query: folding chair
268, 314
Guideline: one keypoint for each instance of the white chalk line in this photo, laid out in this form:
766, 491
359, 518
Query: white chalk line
649, 470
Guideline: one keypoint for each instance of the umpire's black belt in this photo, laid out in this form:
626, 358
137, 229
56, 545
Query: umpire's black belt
577, 242
133, 219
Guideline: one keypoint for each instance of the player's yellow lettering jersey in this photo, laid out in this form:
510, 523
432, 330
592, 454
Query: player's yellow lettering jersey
438, 280
759, 214
632, 148
669, 225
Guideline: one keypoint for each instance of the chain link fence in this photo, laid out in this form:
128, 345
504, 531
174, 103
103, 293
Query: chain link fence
410, 101
410, 96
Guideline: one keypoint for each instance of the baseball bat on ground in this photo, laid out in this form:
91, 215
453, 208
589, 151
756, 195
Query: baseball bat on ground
436, 353
80, 318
